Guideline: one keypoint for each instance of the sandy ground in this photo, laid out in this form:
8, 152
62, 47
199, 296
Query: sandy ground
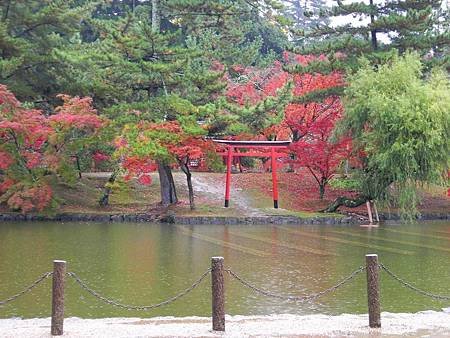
421, 324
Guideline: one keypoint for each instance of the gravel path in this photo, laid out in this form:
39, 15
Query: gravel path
204, 184
422, 324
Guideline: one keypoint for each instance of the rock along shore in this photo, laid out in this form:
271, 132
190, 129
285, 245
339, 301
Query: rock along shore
421, 324
217, 220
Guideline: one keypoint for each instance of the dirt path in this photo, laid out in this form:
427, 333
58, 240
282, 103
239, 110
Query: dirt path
99, 174
209, 186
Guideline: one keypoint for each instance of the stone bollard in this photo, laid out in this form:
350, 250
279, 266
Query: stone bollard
59, 274
218, 294
373, 290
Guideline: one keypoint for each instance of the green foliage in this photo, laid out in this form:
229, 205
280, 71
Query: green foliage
345, 183
67, 171
120, 191
31, 33
305, 14
401, 122
255, 118
248, 162
419, 25
244, 32
214, 162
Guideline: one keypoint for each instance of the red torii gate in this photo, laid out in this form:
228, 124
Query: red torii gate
262, 145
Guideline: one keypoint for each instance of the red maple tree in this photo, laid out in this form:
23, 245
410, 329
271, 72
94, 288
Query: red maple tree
165, 141
250, 85
312, 125
34, 147
319, 154
309, 124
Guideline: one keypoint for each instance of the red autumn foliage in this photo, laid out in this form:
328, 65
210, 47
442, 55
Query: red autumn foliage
5, 160
6, 184
182, 146
145, 179
192, 148
312, 126
28, 199
33, 159
306, 83
98, 157
76, 112
301, 117
165, 142
139, 167
33, 145
309, 125
321, 156
251, 85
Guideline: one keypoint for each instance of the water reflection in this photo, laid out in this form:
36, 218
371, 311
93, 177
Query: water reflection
146, 263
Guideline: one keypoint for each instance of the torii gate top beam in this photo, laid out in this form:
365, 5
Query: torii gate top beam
252, 144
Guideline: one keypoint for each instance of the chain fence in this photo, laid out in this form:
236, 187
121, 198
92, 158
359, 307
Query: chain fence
138, 307
296, 298
412, 287
234, 275
27, 289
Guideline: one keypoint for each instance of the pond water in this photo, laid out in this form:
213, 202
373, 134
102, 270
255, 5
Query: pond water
145, 263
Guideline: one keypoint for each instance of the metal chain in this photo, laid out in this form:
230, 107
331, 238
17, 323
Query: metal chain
138, 307
412, 287
27, 289
297, 298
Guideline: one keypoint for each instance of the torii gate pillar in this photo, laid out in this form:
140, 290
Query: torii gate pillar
274, 178
228, 178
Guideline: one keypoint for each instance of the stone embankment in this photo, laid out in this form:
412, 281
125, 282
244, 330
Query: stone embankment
143, 217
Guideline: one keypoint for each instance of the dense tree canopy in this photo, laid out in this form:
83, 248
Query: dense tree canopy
168, 75
374, 28
30, 34
36, 149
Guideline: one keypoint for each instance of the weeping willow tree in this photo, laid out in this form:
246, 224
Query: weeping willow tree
399, 120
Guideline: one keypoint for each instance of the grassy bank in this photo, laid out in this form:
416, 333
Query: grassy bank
251, 195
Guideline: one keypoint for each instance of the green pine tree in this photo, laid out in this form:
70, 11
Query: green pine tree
305, 14
399, 25
138, 68
30, 33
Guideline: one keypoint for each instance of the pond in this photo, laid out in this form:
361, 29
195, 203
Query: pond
145, 263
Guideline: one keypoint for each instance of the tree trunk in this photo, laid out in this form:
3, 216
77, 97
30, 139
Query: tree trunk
191, 191
346, 202
298, 13
322, 190
104, 200
187, 171
377, 217
168, 190
373, 33
156, 19
77, 159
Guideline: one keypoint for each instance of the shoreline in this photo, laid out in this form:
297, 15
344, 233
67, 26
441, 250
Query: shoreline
205, 220
424, 323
